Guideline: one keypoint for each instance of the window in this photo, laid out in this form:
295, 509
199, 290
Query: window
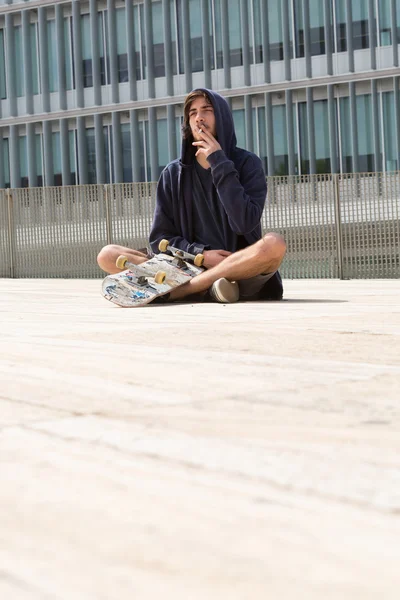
126, 152
281, 157
91, 155
23, 162
56, 147
69, 63
366, 157
389, 119
33, 29
322, 146
52, 56
6, 162
122, 49
162, 134
256, 49
87, 67
341, 26
196, 40
235, 34
346, 150
275, 29
3, 86
158, 39
360, 27
317, 27
19, 61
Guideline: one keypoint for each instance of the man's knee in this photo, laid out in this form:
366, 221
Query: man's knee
106, 256
273, 248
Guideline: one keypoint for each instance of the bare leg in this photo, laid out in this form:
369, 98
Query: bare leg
108, 255
265, 256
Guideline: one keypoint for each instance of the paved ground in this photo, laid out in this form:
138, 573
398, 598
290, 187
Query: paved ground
200, 452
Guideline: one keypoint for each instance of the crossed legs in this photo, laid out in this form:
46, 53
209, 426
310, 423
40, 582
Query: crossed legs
265, 256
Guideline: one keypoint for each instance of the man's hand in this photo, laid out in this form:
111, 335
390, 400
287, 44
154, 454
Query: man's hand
214, 257
207, 145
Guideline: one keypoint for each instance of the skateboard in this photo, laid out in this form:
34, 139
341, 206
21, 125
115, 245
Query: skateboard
138, 285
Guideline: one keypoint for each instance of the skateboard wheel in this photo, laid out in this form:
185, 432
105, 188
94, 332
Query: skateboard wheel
121, 262
198, 260
160, 276
163, 245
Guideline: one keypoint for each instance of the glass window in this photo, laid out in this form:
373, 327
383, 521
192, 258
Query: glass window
299, 28
86, 51
389, 118
73, 159
6, 162
3, 87
158, 39
39, 159
240, 128
91, 155
52, 56
126, 152
104, 68
56, 147
259, 127
19, 61
256, 49
162, 134
235, 33
196, 40
322, 147
68, 52
275, 29
385, 23
122, 48
107, 151
216, 28
34, 57
317, 28
281, 157
23, 161
140, 47
346, 149
360, 28
365, 133
173, 37
341, 26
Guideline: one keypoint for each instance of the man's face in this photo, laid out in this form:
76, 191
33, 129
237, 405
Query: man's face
201, 116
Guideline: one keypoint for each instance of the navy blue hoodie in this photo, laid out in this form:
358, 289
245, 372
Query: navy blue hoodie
238, 177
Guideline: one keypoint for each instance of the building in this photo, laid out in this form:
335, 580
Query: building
92, 91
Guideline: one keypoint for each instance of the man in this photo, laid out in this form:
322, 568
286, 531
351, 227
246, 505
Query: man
211, 201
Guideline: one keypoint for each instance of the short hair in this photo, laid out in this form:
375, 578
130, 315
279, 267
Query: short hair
186, 131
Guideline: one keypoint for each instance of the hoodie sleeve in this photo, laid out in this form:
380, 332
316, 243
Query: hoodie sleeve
242, 194
163, 226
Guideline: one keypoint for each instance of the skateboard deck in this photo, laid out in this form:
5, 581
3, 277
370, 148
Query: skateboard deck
138, 284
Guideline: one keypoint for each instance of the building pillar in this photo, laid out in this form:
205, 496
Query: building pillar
31, 154
94, 32
153, 143
112, 36
100, 150
148, 29
117, 147
26, 49
48, 170
62, 80
77, 53
65, 161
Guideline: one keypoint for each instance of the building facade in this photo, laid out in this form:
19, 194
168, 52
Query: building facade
92, 91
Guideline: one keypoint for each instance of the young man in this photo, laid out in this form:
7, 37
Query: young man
211, 201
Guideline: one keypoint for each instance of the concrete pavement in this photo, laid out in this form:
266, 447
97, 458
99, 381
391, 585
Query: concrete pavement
206, 451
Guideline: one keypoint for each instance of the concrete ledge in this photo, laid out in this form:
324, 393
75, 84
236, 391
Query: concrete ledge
206, 451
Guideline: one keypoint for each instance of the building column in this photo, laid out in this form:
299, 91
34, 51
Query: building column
64, 143
307, 37
396, 88
112, 36
100, 151
117, 147
171, 132
353, 126
290, 130
187, 54
130, 38
205, 32
135, 144
395, 40
153, 143
82, 177
31, 154
225, 43
244, 17
94, 32
332, 128
286, 39
15, 177
62, 80
328, 36
349, 35
77, 53
372, 32
248, 116
168, 47
10, 66
375, 126
26, 49
148, 29
43, 52
269, 134
265, 41
311, 129
48, 169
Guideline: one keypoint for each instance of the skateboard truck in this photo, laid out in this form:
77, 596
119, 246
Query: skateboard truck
181, 255
141, 274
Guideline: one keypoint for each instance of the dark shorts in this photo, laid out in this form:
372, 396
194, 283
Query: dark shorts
252, 289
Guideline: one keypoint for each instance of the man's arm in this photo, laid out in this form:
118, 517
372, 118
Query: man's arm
163, 226
242, 195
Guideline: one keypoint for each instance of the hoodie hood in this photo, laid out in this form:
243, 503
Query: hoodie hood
224, 125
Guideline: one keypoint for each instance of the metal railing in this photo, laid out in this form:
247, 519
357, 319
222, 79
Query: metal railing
335, 226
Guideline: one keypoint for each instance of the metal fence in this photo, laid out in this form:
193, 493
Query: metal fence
335, 226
